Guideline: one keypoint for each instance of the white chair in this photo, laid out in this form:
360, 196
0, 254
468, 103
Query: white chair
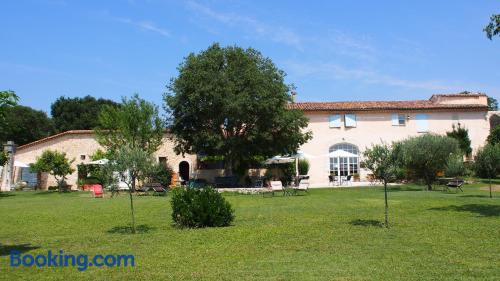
276, 186
303, 185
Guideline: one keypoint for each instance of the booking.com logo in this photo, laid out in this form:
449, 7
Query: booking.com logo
81, 261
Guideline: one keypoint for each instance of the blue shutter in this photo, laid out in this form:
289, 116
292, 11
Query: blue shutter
395, 119
350, 120
334, 121
422, 124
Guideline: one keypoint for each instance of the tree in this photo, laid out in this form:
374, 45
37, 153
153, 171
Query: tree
493, 28
487, 162
23, 125
54, 163
494, 136
462, 136
3, 158
78, 113
382, 162
426, 155
135, 123
133, 164
7, 99
232, 102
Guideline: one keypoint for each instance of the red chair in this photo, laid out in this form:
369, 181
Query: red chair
97, 191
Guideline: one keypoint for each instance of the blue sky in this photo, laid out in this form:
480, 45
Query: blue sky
331, 50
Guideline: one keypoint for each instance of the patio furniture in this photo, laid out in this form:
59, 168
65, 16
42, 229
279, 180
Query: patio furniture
331, 180
276, 186
156, 187
303, 186
348, 180
97, 191
455, 183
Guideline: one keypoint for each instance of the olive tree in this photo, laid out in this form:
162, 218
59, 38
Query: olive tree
381, 160
426, 155
133, 164
487, 162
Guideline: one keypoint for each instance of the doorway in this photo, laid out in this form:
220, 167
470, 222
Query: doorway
184, 170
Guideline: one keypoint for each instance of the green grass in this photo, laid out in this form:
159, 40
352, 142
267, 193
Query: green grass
326, 235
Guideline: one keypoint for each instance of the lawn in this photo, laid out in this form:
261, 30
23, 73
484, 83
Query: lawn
330, 234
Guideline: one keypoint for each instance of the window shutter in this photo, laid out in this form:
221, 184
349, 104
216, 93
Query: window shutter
335, 121
395, 119
422, 124
350, 120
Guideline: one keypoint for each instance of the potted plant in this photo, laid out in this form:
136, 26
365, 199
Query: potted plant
355, 176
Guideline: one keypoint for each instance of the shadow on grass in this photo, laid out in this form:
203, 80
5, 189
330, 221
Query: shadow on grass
5, 194
404, 188
360, 222
482, 210
143, 228
474, 196
5, 249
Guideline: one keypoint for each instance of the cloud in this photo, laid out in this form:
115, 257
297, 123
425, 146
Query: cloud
325, 70
279, 34
144, 25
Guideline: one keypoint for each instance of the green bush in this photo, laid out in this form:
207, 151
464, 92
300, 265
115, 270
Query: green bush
162, 174
455, 166
303, 167
200, 208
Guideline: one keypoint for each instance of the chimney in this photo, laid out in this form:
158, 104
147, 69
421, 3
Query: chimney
293, 94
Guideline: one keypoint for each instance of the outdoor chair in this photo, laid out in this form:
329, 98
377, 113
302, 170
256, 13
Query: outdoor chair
455, 183
156, 187
303, 186
331, 180
97, 191
348, 180
276, 186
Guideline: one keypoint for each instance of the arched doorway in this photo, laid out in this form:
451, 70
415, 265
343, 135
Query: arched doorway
344, 159
184, 170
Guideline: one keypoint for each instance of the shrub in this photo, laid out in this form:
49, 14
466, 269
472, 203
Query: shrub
162, 174
200, 208
455, 166
303, 167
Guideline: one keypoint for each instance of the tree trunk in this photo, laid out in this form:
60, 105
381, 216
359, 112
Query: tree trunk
132, 204
228, 166
428, 182
386, 205
491, 195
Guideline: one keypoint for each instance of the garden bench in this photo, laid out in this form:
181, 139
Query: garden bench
156, 187
456, 183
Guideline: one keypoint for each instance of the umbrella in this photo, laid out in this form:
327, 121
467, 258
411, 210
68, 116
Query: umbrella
20, 164
279, 160
341, 153
103, 161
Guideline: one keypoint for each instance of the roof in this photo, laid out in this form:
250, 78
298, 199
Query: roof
430, 104
72, 132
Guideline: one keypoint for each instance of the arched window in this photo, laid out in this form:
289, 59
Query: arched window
344, 159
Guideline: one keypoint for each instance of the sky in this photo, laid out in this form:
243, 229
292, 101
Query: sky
330, 50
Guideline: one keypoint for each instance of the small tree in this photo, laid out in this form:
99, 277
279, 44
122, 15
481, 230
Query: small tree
455, 166
133, 164
135, 123
303, 167
381, 160
54, 163
462, 136
487, 162
426, 155
494, 136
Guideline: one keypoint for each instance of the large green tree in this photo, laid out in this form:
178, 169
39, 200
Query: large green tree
487, 162
77, 113
381, 160
232, 102
136, 123
24, 124
7, 99
426, 155
493, 28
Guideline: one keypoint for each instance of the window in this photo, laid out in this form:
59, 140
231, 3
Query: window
350, 120
398, 119
344, 159
335, 121
162, 161
82, 157
422, 124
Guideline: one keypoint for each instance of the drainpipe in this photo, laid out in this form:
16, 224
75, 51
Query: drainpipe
8, 169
